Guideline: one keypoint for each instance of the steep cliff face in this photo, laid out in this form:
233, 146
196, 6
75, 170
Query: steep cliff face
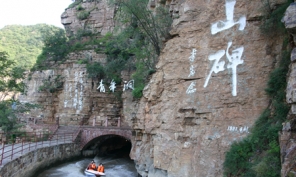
208, 89
100, 18
78, 101
207, 92
288, 135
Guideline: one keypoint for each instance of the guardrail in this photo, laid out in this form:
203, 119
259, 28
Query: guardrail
16, 144
97, 121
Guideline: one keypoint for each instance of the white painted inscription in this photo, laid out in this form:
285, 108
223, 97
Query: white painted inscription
217, 66
112, 86
192, 56
229, 22
244, 129
128, 85
234, 60
192, 71
101, 86
73, 97
191, 88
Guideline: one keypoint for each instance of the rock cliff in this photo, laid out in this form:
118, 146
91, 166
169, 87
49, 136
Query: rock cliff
207, 92
288, 135
208, 89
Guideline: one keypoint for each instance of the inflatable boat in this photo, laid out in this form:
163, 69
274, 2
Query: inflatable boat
93, 172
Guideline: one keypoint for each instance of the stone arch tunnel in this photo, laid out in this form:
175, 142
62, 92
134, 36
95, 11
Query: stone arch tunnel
106, 141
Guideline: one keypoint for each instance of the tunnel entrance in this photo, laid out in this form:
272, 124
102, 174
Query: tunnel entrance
109, 145
110, 150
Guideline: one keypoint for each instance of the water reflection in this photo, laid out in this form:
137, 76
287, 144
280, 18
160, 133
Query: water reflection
114, 167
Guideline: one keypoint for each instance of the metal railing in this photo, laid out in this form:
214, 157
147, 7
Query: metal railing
16, 144
106, 122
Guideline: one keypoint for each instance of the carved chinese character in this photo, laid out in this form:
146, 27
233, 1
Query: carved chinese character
128, 85
191, 88
112, 86
192, 56
229, 22
217, 66
192, 72
234, 61
101, 86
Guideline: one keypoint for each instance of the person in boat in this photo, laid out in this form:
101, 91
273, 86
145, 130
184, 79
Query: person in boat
101, 168
92, 166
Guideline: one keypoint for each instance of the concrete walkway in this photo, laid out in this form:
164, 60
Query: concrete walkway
64, 135
14, 151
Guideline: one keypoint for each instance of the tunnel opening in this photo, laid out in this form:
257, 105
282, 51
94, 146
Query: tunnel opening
109, 145
110, 150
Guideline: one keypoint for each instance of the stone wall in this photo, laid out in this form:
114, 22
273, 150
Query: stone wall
28, 164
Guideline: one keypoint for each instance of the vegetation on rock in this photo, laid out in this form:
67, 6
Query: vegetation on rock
56, 48
133, 47
11, 82
11, 77
258, 155
51, 85
272, 18
137, 45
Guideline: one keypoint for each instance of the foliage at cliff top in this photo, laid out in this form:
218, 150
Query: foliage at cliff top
56, 47
23, 43
138, 42
134, 45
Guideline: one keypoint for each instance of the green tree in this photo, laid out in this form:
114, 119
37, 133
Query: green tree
153, 26
11, 77
23, 43
56, 48
9, 110
136, 45
11, 83
52, 85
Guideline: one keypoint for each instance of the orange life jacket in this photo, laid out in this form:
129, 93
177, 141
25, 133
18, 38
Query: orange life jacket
101, 169
92, 167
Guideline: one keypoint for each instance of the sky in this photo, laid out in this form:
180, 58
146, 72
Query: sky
32, 12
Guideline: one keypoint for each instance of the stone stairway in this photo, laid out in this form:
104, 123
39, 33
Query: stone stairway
68, 133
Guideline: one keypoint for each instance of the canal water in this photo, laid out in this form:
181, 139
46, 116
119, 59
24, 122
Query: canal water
114, 167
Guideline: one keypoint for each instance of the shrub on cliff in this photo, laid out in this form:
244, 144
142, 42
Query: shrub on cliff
272, 18
75, 3
137, 44
83, 15
9, 111
56, 48
10, 83
10, 77
52, 85
258, 155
